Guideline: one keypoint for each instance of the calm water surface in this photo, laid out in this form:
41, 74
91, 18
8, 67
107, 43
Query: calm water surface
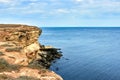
89, 53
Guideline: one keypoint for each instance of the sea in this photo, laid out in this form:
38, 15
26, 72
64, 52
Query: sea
89, 53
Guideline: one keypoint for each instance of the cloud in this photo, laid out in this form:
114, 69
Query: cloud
76, 10
22, 7
5, 1
62, 11
83, 7
97, 8
78, 0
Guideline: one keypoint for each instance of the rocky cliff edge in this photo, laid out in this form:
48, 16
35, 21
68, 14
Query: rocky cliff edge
22, 56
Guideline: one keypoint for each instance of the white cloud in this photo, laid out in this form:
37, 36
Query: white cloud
18, 7
50, 10
48, 7
5, 1
78, 0
97, 7
62, 11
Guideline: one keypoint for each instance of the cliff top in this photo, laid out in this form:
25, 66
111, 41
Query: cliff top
17, 27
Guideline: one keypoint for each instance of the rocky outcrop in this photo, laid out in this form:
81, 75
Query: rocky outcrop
20, 49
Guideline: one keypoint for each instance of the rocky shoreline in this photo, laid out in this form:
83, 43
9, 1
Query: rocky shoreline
22, 57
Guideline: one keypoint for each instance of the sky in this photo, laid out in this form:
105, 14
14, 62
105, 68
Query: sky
61, 13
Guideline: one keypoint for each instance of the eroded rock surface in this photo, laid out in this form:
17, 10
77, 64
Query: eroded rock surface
19, 43
22, 55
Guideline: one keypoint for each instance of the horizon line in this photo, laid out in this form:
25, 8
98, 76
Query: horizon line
83, 26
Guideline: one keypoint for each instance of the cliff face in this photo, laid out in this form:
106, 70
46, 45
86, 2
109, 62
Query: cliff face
19, 46
21, 35
21, 41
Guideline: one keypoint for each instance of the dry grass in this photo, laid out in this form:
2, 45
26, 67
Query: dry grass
1, 53
4, 66
5, 77
15, 49
7, 45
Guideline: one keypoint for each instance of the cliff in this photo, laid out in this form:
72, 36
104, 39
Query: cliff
22, 56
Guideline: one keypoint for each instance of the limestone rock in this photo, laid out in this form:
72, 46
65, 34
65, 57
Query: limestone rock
42, 74
19, 41
20, 49
21, 35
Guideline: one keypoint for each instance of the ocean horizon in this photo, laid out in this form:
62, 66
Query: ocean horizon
89, 53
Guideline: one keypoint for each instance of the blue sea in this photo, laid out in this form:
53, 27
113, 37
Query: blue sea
88, 53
